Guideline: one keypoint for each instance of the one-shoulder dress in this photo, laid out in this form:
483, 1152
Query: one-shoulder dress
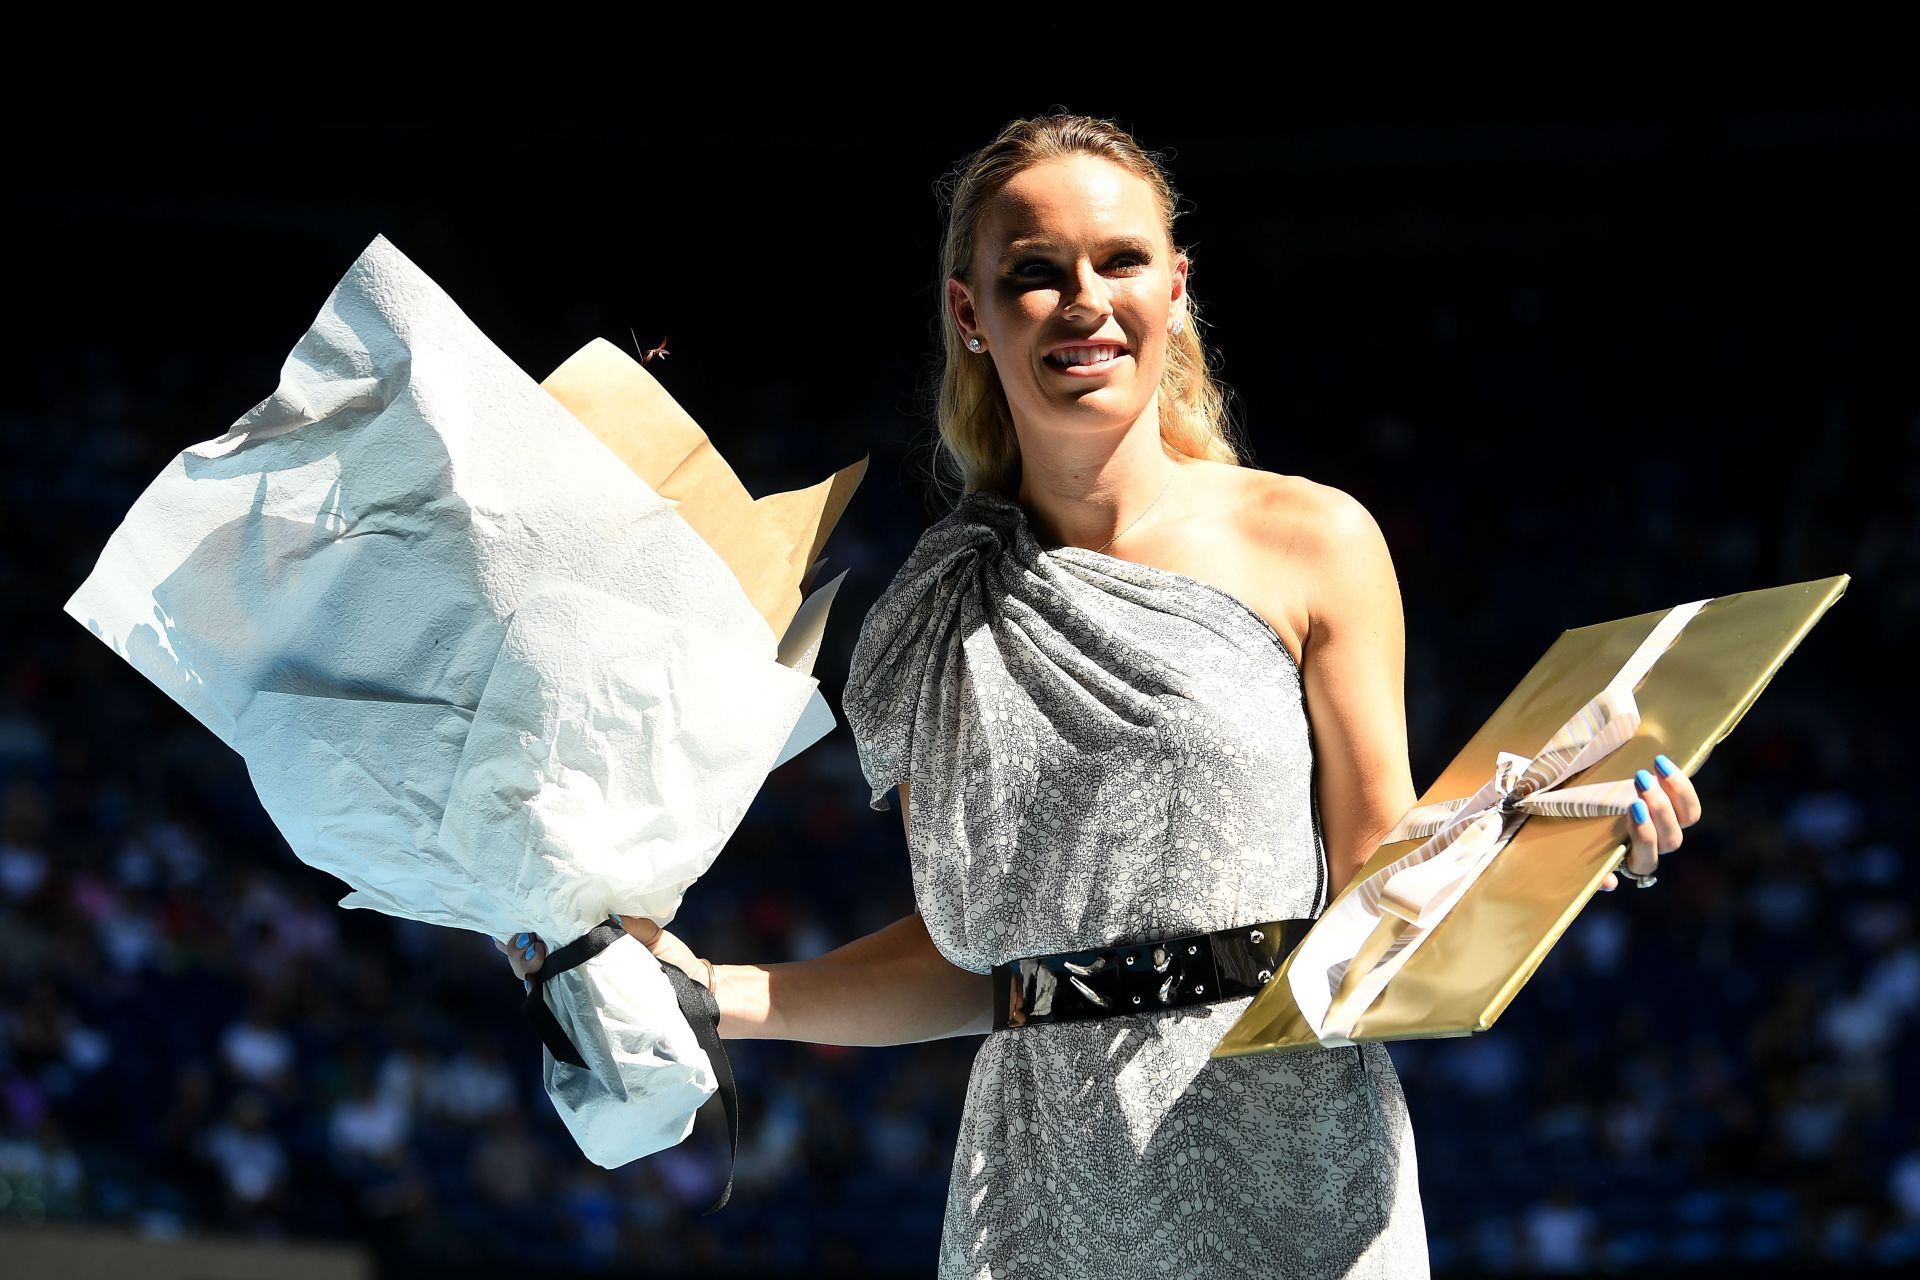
1107, 752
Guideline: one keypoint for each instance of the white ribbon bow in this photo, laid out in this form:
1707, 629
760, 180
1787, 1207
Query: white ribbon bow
1361, 943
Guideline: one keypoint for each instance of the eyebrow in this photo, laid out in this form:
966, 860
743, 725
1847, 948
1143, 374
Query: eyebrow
1028, 244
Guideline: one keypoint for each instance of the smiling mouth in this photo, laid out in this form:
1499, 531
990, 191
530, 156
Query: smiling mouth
1097, 358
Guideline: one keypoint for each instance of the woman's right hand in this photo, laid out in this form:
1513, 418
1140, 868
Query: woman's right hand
665, 946
525, 952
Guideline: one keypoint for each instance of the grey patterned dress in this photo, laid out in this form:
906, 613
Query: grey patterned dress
1106, 752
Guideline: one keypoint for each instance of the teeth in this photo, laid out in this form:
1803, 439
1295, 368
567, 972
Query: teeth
1084, 355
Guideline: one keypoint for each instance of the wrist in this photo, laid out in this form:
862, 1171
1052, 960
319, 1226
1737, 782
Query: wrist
741, 991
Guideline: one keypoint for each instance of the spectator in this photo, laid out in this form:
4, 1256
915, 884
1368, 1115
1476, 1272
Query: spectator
257, 1049
251, 1160
1558, 1233
472, 1085
368, 1126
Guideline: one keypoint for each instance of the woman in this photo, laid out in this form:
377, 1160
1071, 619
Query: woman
1136, 692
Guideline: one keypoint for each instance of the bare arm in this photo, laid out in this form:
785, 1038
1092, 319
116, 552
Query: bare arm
890, 987
1355, 673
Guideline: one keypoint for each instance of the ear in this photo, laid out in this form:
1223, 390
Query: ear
1181, 265
960, 305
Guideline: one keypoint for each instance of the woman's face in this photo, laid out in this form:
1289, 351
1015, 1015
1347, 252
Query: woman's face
1072, 285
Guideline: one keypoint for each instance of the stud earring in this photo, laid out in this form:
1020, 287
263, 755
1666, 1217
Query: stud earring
974, 344
1179, 323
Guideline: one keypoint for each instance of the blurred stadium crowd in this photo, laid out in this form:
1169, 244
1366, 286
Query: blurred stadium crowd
195, 1039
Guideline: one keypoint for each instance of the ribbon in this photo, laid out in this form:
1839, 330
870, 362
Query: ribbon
697, 1005
1369, 935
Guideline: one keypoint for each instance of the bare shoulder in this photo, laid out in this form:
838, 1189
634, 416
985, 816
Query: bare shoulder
1285, 507
1251, 534
1322, 537
1302, 521
1355, 584
1284, 545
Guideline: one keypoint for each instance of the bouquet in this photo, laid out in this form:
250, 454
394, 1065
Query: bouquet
499, 656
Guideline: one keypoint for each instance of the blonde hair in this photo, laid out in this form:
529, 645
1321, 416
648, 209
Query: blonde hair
977, 448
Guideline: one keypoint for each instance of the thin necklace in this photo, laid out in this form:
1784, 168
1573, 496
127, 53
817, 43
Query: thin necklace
1143, 511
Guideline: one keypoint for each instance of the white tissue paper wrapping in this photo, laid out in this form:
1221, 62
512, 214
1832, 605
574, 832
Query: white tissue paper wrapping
478, 669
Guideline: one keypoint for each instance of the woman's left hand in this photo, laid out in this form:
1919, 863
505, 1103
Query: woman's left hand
1667, 803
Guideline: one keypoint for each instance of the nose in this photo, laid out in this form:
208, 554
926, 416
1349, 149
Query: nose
1089, 291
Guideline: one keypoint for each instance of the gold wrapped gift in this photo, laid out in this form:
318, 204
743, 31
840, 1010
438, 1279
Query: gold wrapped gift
1447, 920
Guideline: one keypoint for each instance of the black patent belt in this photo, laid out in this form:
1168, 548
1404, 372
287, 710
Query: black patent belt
1145, 977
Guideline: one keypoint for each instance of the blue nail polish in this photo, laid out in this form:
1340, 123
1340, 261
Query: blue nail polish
1644, 778
1639, 811
528, 953
1664, 765
520, 941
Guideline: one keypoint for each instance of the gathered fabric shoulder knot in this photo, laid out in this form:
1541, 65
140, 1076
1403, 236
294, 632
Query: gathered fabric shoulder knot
915, 628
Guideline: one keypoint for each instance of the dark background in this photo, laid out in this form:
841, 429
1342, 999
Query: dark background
1583, 354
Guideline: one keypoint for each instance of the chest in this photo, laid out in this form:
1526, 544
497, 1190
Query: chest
1272, 579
